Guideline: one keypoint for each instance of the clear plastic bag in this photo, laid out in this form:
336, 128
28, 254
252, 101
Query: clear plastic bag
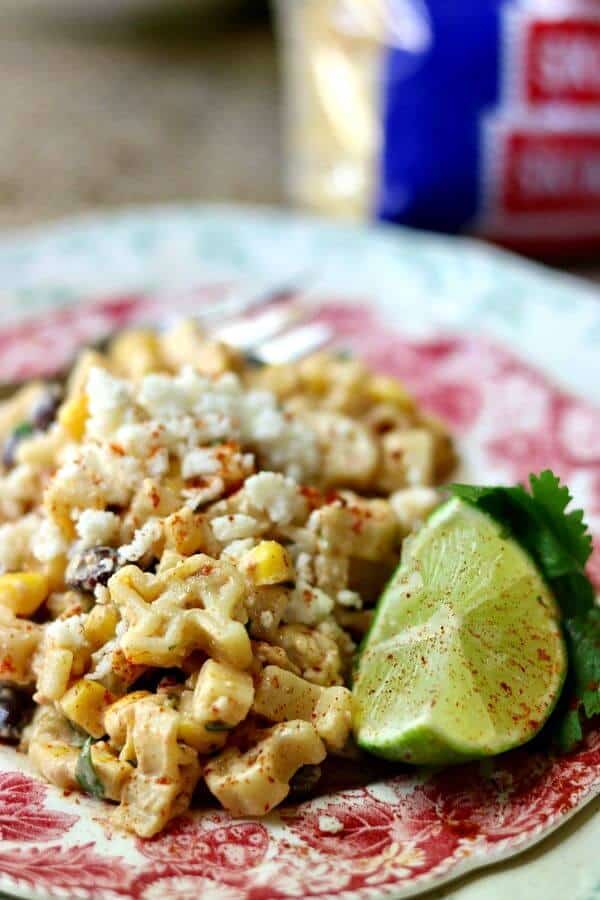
477, 116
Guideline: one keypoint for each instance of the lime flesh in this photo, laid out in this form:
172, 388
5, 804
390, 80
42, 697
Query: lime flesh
465, 657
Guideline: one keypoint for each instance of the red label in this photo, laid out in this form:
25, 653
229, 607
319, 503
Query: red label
562, 61
551, 172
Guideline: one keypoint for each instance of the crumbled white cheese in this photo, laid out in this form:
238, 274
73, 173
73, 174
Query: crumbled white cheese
349, 599
137, 439
197, 497
283, 443
234, 527
275, 495
158, 463
193, 411
102, 662
91, 469
304, 566
201, 461
15, 540
49, 541
236, 549
102, 659
109, 403
67, 633
166, 396
307, 605
95, 527
142, 542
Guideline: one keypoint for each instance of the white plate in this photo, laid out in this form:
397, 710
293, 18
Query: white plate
420, 284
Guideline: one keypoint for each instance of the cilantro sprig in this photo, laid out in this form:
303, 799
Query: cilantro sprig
560, 544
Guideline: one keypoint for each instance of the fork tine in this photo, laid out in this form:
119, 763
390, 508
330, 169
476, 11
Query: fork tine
265, 335
247, 332
294, 344
240, 301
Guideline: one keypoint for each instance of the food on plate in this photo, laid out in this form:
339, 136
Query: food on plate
190, 547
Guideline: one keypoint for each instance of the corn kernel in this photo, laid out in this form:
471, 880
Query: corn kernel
389, 390
84, 705
214, 358
136, 353
55, 673
100, 625
23, 592
73, 414
315, 373
267, 563
55, 572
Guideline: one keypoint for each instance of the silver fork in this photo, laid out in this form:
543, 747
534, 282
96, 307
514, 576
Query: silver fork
269, 326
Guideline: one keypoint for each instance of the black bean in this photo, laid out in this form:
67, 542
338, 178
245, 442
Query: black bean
9, 450
304, 781
91, 567
253, 361
44, 412
15, 711
155, 680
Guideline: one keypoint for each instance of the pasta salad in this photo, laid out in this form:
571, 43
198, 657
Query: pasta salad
190, 548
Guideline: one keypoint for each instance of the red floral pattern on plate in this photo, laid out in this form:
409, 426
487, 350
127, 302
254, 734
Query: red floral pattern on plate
23, 814
184, 848
61, 869
397, 835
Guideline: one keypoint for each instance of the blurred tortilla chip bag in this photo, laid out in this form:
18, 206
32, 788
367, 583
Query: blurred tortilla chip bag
477, 116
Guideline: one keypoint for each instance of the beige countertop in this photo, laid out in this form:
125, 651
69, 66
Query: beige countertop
141, 110
97, 117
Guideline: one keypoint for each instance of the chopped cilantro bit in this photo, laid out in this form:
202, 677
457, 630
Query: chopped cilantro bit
24, 429
86, 774
217, 725
78, 737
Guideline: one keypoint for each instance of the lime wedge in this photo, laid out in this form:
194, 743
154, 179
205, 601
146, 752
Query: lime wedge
465, 657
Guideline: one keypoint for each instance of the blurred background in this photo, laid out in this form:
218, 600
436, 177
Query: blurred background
113, 102
108, 102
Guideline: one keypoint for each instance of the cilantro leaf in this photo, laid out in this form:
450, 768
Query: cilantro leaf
560, 544
86, 774
552, 500
584, 636
582, 694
